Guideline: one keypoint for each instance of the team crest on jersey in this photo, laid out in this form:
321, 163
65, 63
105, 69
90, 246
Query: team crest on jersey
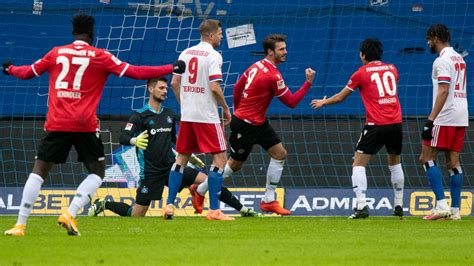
169, 119
281, 84
129, 126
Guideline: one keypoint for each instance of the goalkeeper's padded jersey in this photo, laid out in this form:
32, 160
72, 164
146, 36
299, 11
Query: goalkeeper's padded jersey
450, 68
377, 84
263, 81
158, 157
77, 75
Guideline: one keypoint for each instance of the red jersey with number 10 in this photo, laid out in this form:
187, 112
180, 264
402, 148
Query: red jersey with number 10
377, 83
77, 76
262, 81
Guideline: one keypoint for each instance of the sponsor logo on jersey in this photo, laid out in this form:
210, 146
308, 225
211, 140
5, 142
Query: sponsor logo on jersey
281, 84
129, 126
158, 130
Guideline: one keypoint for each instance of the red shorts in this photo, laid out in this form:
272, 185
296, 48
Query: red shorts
200, 137
447, 138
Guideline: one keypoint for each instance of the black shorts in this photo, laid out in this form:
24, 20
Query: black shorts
373, 138
55, 146
244, 135
151, 188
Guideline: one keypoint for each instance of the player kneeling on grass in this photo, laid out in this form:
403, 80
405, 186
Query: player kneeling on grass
377, 83
152, 131
78, 72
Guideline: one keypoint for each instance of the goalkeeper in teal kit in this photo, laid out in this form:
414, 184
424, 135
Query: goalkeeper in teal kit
152, 131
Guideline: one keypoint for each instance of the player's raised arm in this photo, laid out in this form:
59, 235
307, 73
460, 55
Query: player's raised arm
336, 98
149, 72
292, 100
28, 71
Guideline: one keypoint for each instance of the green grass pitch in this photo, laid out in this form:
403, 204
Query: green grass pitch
246, 241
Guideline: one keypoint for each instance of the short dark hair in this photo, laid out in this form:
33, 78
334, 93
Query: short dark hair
209, 26
83, 24
270, 41
439, 31
372, 49
152, 82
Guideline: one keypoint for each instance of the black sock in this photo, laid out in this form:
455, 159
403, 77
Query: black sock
228, 198
120, 208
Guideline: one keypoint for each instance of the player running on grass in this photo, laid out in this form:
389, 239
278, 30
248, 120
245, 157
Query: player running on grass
446, 126
152, 131
253, 93
78, 73
377, 83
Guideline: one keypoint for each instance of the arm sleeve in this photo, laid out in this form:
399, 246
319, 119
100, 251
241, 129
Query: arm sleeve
354, 81
132, 129
33, 70
442, 72
292, 100
215, 67
239, 89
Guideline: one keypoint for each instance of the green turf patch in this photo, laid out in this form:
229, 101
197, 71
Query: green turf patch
246, 241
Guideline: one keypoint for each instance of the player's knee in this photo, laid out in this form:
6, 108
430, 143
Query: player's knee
97, 168
280, 155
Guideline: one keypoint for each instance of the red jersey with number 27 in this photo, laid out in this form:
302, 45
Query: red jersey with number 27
262, 82
77, 76
377, 83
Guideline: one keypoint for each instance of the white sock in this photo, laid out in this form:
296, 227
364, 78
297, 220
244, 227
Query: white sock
28, 199
442, 204
454, 210
398, 181
204, 186
84, 193
359, 184
275, 168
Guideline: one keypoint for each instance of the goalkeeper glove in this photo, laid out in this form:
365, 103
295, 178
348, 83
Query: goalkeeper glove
141, 141
5, 66
196, 161
427, 128
179, 67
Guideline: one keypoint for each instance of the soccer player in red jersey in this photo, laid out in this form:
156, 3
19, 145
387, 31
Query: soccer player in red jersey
253, 93
78, 73
446, 125
377, 84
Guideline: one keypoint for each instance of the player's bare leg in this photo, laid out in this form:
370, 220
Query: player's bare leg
84, 194
139, 210
30, 194
397, 178
359, 185
275, 168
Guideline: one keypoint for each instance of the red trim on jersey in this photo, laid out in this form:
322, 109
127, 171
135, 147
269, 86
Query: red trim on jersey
444, 78
148, 72
215, 77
